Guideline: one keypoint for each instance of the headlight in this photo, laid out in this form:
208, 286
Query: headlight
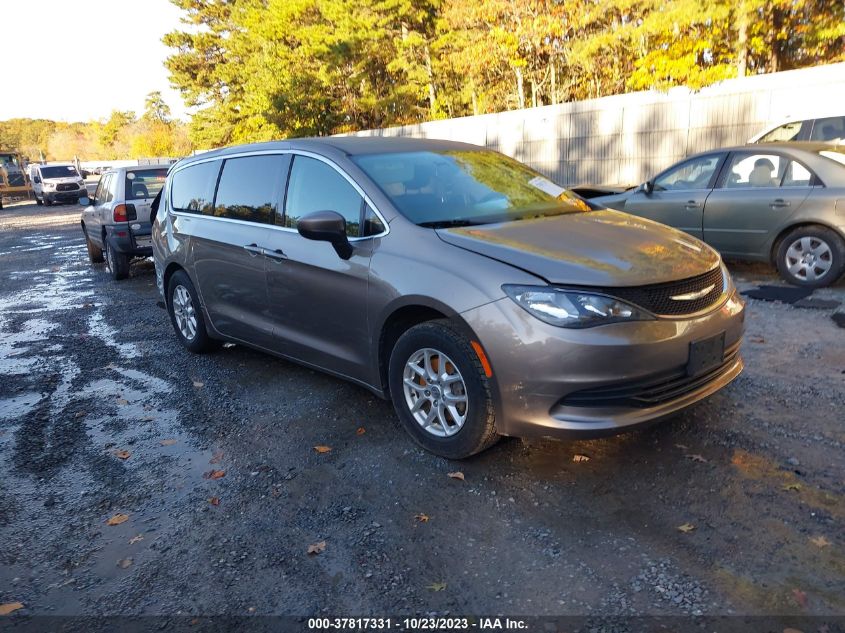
49, 185
573, 309
81, 183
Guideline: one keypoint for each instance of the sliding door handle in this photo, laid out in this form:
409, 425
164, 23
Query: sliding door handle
277, 254
254, 249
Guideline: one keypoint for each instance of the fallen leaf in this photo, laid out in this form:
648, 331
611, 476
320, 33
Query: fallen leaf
696, 458
147, 418
81, 414
361, 430
168, 442
422, 518
457, 475
790, 630
800, 598
198, 384
136, 539
683, 447
580, 458
437, 586
686, 528
820, 541
55, 269
323, 449
123, 563
317, 548
793, 486
216, 458
215, 501
122, 402
122, 454
117, 519
756, 339
148, 407
214, 474
10, 607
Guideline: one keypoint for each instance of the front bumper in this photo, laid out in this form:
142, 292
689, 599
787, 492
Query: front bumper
64, 196
558, 382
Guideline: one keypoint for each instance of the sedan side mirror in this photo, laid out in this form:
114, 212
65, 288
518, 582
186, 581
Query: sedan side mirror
326, 226
647, 187
84, 201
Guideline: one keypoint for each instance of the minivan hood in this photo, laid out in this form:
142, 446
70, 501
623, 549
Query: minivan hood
598, 248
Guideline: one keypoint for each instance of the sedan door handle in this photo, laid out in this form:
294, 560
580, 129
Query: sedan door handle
779, 203
692, 204
255, 249
277, 254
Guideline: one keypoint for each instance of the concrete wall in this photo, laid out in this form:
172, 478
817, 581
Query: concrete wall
625, 139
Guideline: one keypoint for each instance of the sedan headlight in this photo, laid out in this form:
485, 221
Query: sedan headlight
573, 309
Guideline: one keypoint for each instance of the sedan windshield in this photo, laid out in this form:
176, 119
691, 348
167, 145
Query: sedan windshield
465, 187
59, 171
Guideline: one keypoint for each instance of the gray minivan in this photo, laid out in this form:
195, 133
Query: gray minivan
477, 295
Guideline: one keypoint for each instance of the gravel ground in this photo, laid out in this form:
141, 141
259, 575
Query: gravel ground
102, 413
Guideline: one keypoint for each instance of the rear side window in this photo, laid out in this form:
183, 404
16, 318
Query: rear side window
192, 188
250, 188
316, 186
786, 132
829, 129
142, 184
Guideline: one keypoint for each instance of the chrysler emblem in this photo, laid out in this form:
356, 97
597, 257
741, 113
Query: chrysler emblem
689, 296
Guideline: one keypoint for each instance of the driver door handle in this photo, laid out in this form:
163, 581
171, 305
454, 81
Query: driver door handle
692, 204
779, 203
277, 254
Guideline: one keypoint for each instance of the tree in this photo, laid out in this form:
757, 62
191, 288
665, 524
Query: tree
155, 108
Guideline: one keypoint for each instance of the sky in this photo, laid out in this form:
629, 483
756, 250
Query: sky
81, 59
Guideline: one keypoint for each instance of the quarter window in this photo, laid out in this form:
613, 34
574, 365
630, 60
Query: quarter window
250, 188
192, 188
692, 174
316, 186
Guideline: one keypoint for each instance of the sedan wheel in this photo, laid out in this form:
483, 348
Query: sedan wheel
435, 392
811, 256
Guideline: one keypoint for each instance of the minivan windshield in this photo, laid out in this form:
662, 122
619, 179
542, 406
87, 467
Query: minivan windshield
59, 171
465, 187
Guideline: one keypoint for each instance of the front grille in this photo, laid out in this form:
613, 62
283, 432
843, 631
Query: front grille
650, 391
657, 298
67, 186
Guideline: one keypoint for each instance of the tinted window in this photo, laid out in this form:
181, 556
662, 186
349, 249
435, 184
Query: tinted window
61, 171
829, 129
192, 188
250, 188
461, 187
692, 174
316, 186
143, 184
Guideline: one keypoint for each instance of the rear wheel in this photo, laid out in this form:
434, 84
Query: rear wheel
117, 263
440, 391
95, 253
811, 256
184, 308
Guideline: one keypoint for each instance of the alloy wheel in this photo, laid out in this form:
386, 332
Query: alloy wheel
809, 258
435, 392
184, 313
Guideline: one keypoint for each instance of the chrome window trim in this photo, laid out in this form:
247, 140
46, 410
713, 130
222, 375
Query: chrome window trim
292, 152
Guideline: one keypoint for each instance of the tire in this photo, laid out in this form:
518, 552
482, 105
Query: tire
474, 428
38, 201
811, 256
47, 201
179, 287
116, 262
95, 253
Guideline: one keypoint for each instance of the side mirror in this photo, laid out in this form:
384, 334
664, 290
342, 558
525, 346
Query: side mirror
326, 226
647, 187
84, 201
36, 180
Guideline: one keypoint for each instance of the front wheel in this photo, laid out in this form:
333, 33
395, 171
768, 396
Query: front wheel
47, 202
38, 201
441, 392
118, 263
183, 306
811, 256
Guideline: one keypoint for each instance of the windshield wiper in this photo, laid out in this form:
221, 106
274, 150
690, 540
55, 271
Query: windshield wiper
443, 224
